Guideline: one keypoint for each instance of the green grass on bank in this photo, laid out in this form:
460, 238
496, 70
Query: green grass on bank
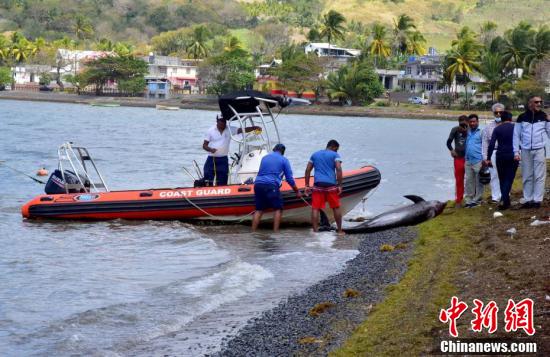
404, 321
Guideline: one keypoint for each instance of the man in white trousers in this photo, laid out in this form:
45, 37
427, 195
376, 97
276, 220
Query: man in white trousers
497, 109
531, 134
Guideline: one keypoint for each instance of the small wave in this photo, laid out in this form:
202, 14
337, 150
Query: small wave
121, 327
325, 240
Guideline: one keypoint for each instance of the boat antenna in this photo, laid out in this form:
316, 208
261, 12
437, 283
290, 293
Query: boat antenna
2, 162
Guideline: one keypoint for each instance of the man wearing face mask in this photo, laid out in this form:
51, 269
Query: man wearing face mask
486, 135
458, 135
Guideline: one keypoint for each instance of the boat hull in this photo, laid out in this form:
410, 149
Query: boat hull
232, 203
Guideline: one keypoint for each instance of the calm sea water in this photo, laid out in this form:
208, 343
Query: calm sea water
143, 288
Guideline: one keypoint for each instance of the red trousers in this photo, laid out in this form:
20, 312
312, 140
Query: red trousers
459, 178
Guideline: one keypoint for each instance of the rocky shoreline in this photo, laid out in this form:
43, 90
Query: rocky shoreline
322, 318
203, 102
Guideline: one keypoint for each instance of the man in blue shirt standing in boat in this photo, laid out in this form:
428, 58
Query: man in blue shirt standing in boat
474, 163
216, 142
266, 186
327, 185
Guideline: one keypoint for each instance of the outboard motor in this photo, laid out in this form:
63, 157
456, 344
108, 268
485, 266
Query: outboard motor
56, 184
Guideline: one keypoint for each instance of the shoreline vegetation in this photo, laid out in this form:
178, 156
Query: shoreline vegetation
469, 254
403, 111
464, 252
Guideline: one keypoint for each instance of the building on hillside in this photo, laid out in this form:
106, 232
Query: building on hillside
266, 68
182, 73
424, 74
335, 56
158, 89
31, 73
73, 61
389, 78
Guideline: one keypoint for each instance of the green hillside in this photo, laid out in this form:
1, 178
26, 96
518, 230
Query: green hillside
137, 21
439, 20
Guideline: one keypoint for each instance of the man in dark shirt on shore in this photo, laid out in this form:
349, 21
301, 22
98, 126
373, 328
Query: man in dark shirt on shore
458, 135
503, 135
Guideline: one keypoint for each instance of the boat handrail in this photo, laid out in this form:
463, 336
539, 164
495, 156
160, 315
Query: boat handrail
66, 152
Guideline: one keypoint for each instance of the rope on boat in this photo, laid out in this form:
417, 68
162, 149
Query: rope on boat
242, 218
238, 219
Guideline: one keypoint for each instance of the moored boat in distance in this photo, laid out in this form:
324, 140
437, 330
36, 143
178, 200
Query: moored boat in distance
105, 104
78, 191
166, 107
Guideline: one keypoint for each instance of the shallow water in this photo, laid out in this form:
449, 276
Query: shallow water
138, 288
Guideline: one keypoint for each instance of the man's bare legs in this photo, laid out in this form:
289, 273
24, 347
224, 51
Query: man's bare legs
315, 219
277, 220
256, 220
338, 218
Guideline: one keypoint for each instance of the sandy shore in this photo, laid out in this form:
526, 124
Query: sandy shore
292, 329
202, 102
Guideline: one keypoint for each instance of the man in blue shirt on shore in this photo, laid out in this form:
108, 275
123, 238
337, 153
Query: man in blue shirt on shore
327, 183
474, 163
266, 186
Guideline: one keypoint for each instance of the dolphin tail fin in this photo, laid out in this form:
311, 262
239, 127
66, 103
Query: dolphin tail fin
414, 198
324, 223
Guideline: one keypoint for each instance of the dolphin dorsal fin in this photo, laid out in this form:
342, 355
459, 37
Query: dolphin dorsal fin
414, 198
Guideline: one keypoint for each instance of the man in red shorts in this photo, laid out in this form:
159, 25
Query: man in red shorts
327, 184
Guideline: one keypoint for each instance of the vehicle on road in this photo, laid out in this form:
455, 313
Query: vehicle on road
418, 100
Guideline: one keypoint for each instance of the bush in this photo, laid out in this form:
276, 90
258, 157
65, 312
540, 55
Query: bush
132, 86
382, 103
45, 79
5, 76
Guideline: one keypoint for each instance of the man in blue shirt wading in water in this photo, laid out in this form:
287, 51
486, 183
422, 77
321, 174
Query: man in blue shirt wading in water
266, 187
327, 183
474, 163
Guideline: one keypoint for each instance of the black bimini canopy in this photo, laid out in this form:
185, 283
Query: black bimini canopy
246, 101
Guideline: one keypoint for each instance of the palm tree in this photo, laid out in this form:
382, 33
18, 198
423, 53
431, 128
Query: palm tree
197, 48
82, 27
65, 42
313, 35
487, 32
493, 69
416, 43
5, 48
332, 27
379, 48
232, 44
104, 45
462, 61
515, 45
123, 49
354, 83
21, 50
538, 48
402, 26
465, 34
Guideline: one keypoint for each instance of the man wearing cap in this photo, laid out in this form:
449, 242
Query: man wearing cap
216, 142
531, 134
267, 194
327, 185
